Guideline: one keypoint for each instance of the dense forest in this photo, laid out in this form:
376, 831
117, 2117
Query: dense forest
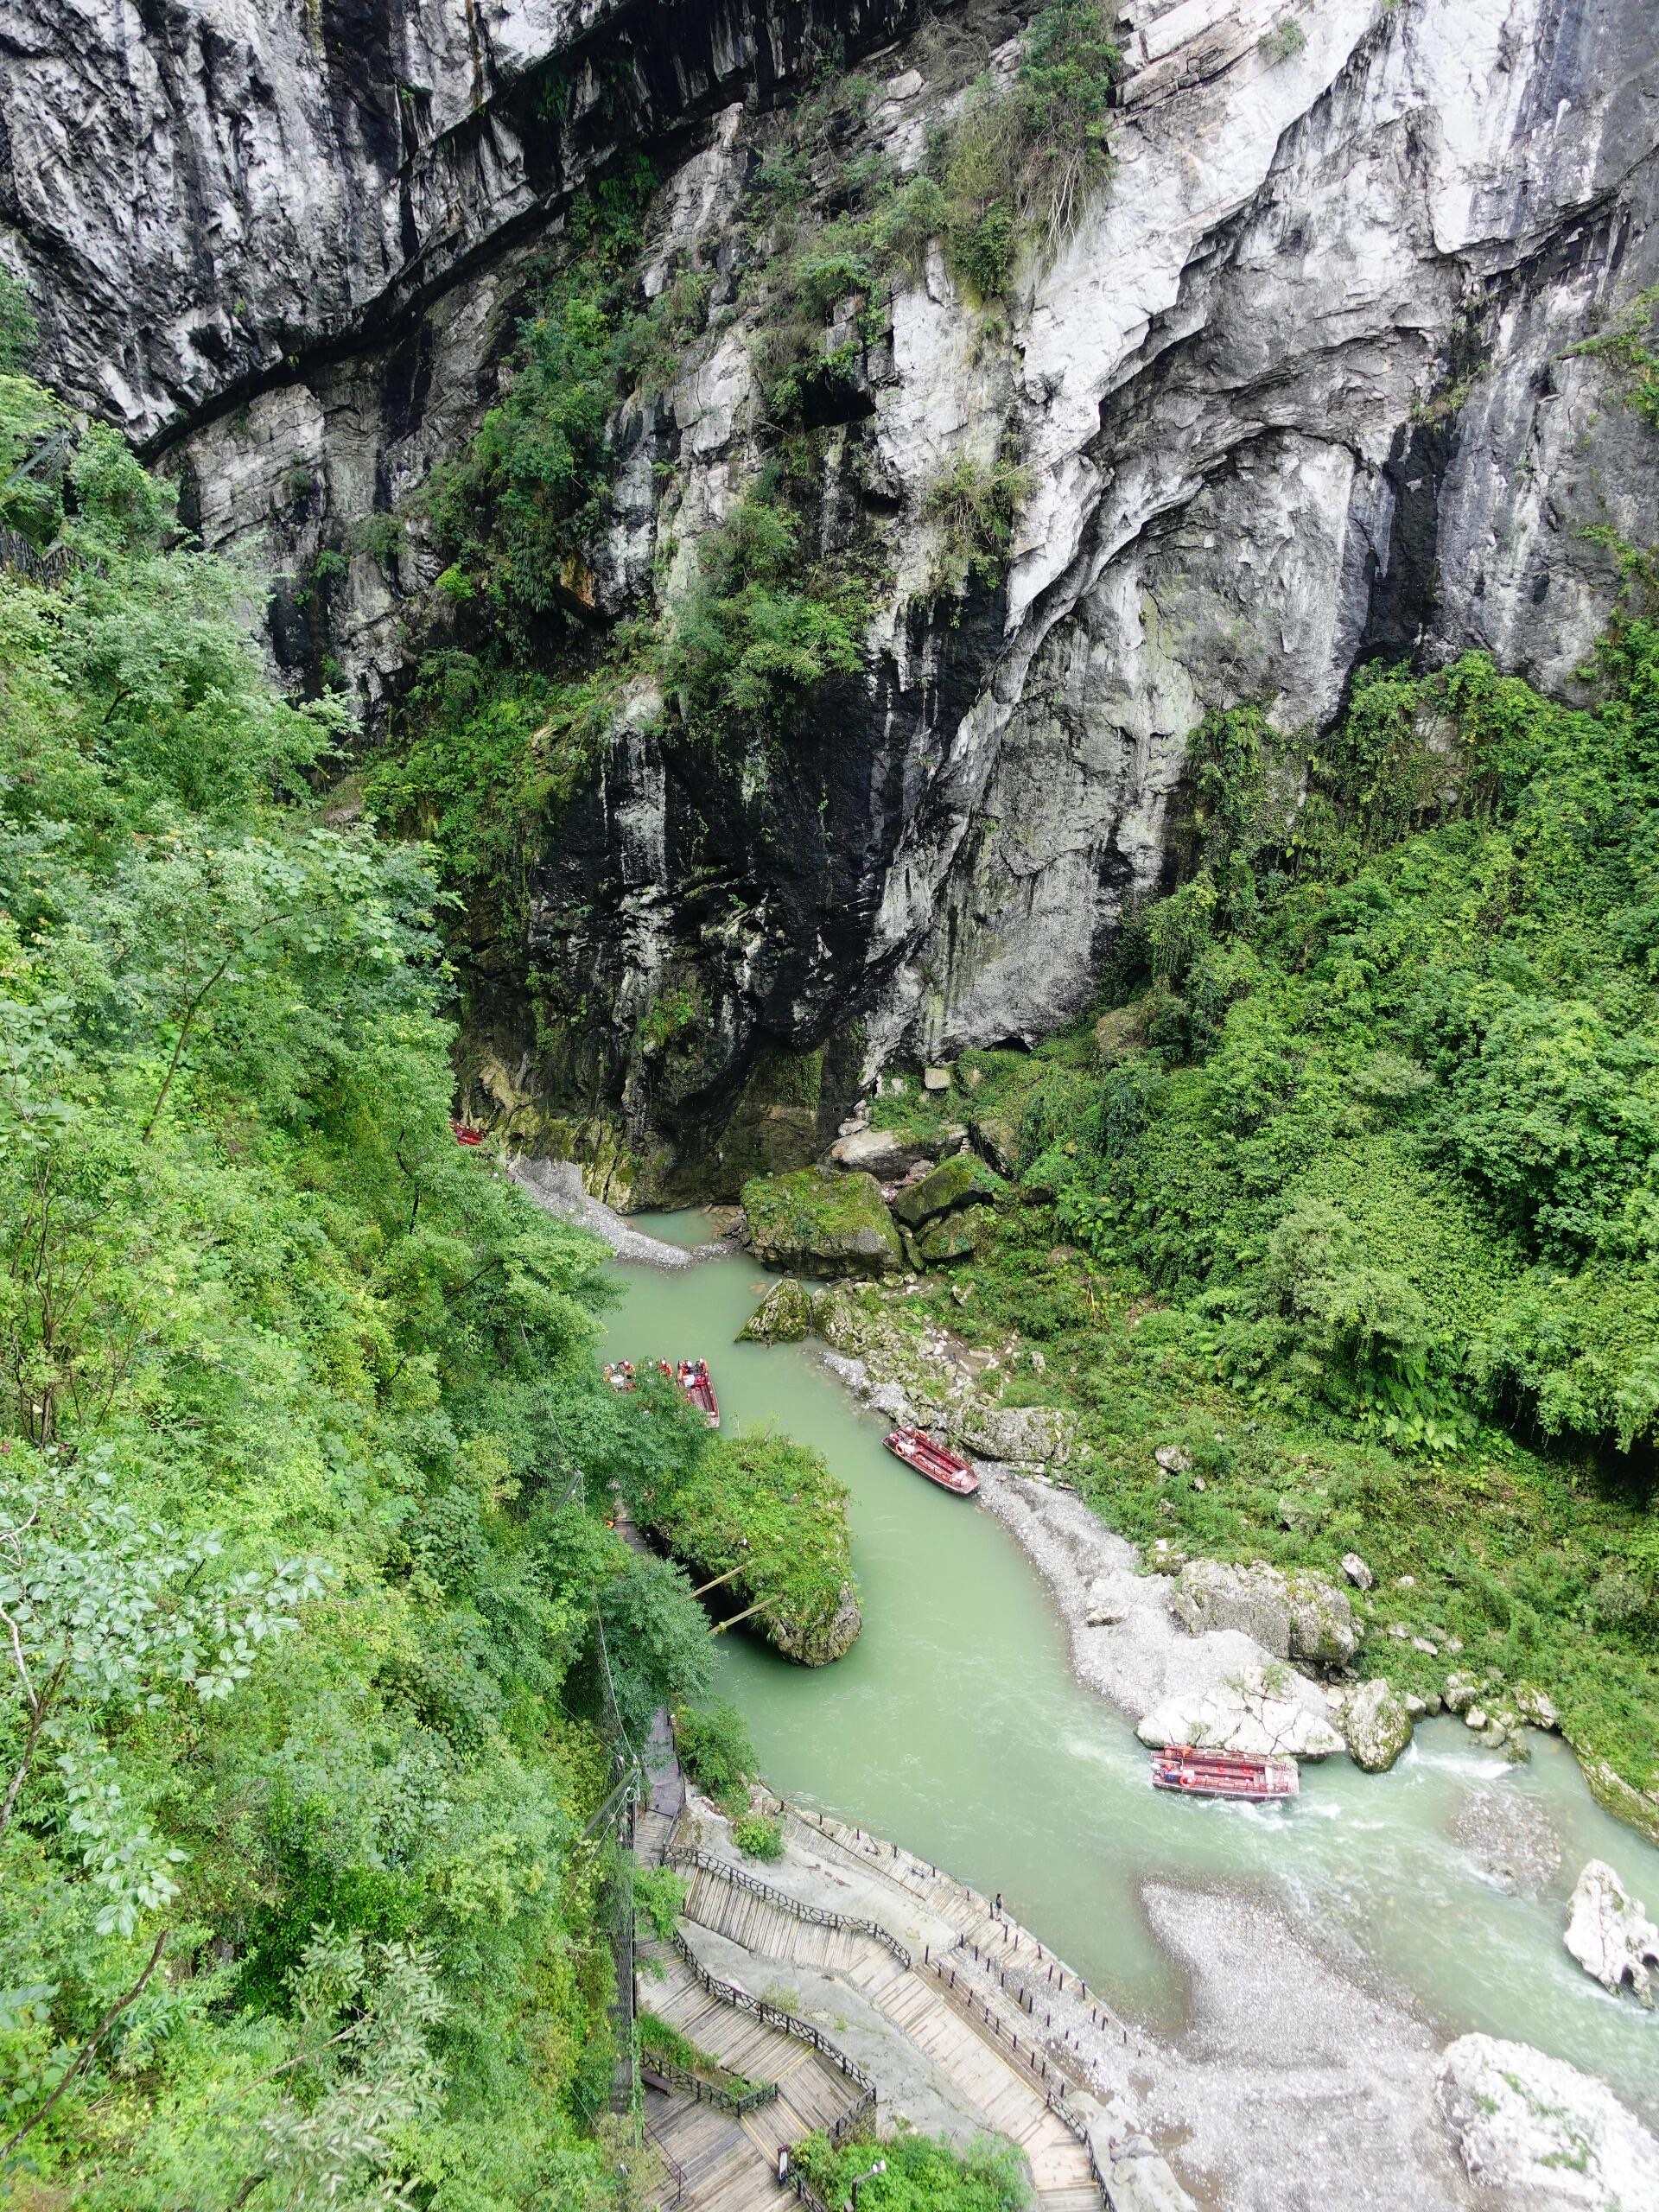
320, 1657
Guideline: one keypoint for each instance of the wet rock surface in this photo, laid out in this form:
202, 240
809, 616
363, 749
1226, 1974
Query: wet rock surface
782, 1316
1610, 1934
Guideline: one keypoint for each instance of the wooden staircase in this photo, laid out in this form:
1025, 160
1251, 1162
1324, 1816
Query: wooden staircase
960, 2042
731, 2163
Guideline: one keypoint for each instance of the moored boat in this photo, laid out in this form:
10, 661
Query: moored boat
618, 1373
466, 1133
929, 1457
698, 1386
1225, 1774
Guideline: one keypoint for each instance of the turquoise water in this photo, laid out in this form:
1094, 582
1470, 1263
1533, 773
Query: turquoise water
955, 1726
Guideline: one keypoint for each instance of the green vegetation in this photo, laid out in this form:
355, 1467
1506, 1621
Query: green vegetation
761, 1506
19, 331
925, 2174
1350, 1190
758, 1837
1628, 347
662, 2044
714, 1747
1283, 41
761, 627
659, 1899
973, 509
304, 1707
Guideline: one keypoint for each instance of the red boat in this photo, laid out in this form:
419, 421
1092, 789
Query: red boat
696, 1382
1225, 1774
929, 1457
618, 1373
465, 1134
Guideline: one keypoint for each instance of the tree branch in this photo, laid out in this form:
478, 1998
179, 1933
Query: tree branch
88, 2047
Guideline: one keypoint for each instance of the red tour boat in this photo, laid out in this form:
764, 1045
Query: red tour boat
1225, 1774
466, 1133
929, 1457
696, 1382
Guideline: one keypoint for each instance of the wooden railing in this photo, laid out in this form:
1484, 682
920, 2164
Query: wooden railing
817, 1915
691, 2083
788, 2024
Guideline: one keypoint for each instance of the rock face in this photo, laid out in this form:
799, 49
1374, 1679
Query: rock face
1251, 1714
1142, 2181
1376, 1725
821, 1224
1299, 388
1526, 2121
1021, 1435
1610, 1934
782, 1316
818, 1642
880, 1153
1292, 1616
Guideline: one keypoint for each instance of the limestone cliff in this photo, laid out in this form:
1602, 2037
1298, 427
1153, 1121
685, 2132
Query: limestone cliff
1296, 390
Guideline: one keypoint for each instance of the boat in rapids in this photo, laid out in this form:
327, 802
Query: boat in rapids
929, 1457
1225, 1774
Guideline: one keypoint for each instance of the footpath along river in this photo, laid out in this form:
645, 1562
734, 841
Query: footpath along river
955, 1726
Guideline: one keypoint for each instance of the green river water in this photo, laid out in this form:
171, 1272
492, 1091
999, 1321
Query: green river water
955, 1726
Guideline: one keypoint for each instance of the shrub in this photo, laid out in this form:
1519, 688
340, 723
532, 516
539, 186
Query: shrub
719, 1756
758, 1837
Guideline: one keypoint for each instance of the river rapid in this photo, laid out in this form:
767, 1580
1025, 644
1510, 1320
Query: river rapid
956, 1726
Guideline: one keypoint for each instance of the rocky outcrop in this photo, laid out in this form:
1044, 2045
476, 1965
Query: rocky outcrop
1016, 1435
820, 1223
1298, 389
1524, 2122
1292, 1616
1610, 1934
1140, 2181
1253, 1713
1376, 1725
782, 1317
961, 1181
819, 1641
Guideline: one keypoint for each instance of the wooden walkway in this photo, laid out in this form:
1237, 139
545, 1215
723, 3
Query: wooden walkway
731, 2163
942, 2026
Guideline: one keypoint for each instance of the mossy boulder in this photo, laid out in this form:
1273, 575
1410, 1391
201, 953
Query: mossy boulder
820, 1223
952, 1235
996, 1137
1376, 1724
782, 1316
960, 1181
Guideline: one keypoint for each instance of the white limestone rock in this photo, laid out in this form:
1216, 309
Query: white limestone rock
1357, 1570
1524, 2120
1140, 2181
1610, 1934
1020, 1433
1254, 1713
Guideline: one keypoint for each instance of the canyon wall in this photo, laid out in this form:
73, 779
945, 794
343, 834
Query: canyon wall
1296, 390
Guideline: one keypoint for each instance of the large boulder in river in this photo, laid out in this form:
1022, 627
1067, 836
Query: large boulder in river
1291, 1615
1139, 2179
816, 1223
1524, 2122
782, 1316
1376, 1725
1254, 1714
1610, 1934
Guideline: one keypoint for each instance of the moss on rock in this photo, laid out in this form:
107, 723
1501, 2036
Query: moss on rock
821, 1224
960, 1180
953, 1236
782, 1316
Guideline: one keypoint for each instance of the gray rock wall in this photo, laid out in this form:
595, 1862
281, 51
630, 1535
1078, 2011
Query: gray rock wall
1296, 391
